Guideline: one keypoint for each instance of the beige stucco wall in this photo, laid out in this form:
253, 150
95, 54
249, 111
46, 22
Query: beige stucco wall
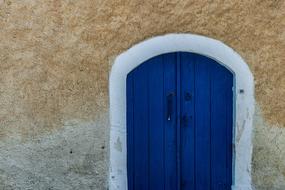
55, 59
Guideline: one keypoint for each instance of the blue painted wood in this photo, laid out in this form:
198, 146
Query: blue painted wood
220, 159
156, 124
230, 123
187, 123
178, 121
176, 152
202, 100
170, 148
141, 128
130, 131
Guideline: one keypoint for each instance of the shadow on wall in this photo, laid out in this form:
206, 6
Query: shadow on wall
268, 155
74, 157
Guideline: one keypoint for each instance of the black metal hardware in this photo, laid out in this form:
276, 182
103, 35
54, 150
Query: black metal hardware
188, 96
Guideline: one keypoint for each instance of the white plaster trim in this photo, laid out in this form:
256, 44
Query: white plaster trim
244, 102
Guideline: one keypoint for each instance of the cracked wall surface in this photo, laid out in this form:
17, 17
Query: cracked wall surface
55, 58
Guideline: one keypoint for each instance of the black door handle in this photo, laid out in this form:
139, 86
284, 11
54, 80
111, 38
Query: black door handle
169, 106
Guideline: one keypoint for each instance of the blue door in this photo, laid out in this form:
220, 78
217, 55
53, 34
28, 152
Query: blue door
179, 124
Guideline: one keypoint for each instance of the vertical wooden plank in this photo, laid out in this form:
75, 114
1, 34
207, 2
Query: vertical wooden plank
219, 126
156, 124
141, 128
170, 126
130, 132
229, 116
187, 123
202, 123
178, 127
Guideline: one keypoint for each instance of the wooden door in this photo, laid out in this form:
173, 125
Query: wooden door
179, 124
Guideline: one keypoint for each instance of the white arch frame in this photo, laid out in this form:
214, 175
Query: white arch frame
243, 100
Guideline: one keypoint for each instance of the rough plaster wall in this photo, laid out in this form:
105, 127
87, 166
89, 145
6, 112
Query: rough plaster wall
268, 155
55, 59
72, 158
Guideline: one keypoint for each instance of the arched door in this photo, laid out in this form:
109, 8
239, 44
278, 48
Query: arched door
179, 124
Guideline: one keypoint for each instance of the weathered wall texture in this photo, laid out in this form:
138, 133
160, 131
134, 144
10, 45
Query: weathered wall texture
55, 58
268, 155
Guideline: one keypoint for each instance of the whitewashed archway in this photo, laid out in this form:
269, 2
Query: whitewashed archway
243, 100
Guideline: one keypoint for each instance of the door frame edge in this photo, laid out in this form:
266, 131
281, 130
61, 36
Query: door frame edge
243, 100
